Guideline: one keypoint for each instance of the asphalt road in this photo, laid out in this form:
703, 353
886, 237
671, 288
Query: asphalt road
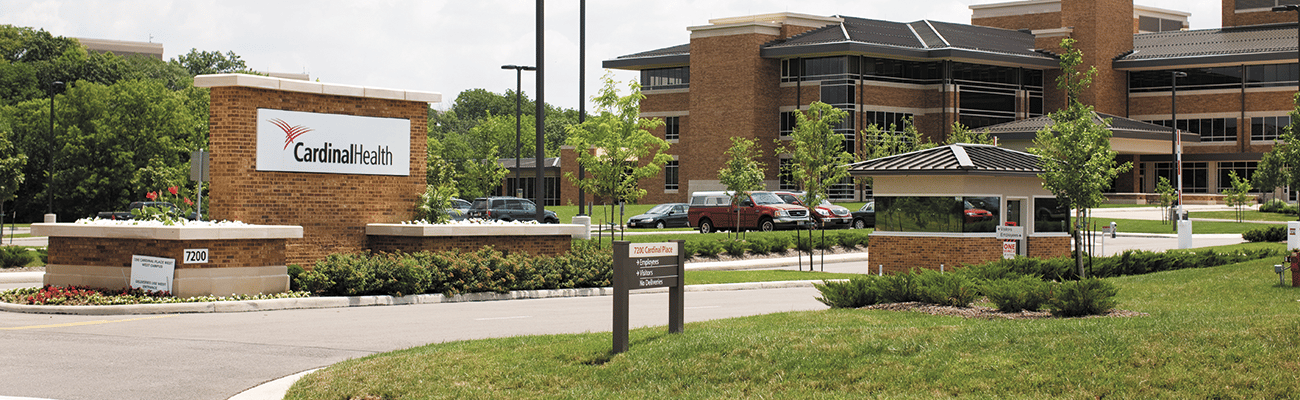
215, 356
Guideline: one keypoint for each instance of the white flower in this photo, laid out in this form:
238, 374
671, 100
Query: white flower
117, 222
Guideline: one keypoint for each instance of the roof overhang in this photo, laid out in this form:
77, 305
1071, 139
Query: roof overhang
955, 54
640, 63
1204, 61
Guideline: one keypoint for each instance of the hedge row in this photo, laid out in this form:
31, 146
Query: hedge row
1268, 234
767, 243
1070, 299
454, 272
1131, 262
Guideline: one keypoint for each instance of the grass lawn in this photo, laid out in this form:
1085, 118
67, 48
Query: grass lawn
1246, 215
1155, 226
1224, 332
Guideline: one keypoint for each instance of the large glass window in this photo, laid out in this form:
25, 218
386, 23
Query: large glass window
854, 67
666, 78
670, 175
1196, 79
672, 128
1271, 75
1244, 170
785, 176
953, 214
1268, 128
1210, 129
1254, 4
1050, 215
1195, 175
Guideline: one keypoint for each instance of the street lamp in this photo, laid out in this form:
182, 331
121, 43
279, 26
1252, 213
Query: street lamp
49, 189
519, 72
1184, 238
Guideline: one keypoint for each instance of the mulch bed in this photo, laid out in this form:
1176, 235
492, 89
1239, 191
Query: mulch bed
983, 312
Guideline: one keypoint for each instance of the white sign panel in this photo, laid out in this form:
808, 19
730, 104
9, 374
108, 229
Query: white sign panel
1009, 249
642, 250
1011, 232
152, 273
196, 256
293, 141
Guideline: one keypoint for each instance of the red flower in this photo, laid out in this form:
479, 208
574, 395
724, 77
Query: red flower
172, 190
151, 196
187, 201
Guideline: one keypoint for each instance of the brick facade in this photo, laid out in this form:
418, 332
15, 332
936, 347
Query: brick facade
333, 209
235, 266
904, 253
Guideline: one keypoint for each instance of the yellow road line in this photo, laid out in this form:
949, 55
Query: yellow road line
17, 328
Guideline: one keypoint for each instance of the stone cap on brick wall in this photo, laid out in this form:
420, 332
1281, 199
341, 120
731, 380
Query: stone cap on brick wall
169, 232
572, 230
294, 85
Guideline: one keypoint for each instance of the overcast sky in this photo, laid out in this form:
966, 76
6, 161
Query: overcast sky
447, 46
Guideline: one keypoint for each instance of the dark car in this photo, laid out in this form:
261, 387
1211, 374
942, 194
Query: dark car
508, 209
459, 209
662, 216
865, 216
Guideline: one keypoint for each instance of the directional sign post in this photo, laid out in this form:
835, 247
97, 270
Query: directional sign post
648, 266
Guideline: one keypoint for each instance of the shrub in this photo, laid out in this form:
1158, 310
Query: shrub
690, 248
15, 257
945, 289
1090, 296
295, 271
823, 243
898, 288
853, 293
1276, 206
761, 245
1015, 295
1269, 234
780, 243
735, 248
710, 248
803, 244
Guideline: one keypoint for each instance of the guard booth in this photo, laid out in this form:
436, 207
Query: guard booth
943, 206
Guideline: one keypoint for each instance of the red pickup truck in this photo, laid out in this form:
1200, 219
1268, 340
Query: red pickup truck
760, 211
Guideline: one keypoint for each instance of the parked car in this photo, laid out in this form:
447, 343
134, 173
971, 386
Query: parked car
974, 214
865, 216
136, 205
459, 209
508, 209
831, 215
762, 211
662, 216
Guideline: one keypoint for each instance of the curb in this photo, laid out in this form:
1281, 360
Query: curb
366, 301
22, 277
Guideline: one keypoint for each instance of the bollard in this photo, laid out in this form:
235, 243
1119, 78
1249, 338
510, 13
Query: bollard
1277, 268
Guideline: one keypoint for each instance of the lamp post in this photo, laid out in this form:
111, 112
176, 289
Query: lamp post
540, 185
519, 72
49, 188
1184, 227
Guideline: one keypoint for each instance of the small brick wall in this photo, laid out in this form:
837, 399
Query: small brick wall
903, 253
113, 252
551, 245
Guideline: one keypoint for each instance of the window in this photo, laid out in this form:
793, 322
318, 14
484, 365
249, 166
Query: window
1254, 4
670, 175
1271, 75
1153, 24
1196, 79
980, 107
788, 121
1050, 215
1195, 176
666, 78
843, 190
937, 214
786, 176
1244, 170
1268, 128
672, 128
1210, 129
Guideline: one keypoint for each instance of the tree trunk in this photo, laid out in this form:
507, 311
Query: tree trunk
1078, 241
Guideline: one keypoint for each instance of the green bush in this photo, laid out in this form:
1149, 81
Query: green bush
854, 293
780, 243
1090, 296
710, 248
945, 289
803, 243
1018, 294
761, 246
15, 257
295, 271
1268, 234
735, 248
1277, 206
898, 288
690, 248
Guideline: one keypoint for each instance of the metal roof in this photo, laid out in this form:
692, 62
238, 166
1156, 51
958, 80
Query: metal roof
526, 163
1120, 127
955, 159
1245, 44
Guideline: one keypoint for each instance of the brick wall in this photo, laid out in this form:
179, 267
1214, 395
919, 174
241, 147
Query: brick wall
1094, 28
551, 245
903, 253
333, 209
1050, 20
1230, 17
112, 252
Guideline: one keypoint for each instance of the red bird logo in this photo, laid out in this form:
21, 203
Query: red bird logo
290, 132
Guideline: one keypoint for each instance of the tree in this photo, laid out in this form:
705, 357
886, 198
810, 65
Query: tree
210, 62
1078, 163
1286, 153
1239, 195
743, 172
817, 153
615, 146
1167, 194
1268, 174
11, 171
962, 134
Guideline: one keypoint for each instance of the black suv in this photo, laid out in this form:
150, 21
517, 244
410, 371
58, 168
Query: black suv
508, 209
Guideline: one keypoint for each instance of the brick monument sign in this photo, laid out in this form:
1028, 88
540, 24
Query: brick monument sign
329, 158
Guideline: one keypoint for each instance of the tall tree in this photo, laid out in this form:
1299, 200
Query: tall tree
1075, 151
1268, 174
1286, 153
1239, 195
743, 171
818, 156
615, 145
210, 62
11, 171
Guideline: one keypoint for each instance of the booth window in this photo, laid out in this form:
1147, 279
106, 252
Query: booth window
948, 214
1050, 215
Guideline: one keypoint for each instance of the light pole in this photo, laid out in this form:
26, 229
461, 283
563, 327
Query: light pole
1184, 227
49, 188
540, 185
519, 72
